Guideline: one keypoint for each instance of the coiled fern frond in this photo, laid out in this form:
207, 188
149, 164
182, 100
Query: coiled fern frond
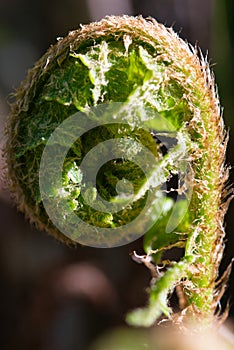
163, 98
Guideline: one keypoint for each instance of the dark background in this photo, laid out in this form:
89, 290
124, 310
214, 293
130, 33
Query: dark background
61, 298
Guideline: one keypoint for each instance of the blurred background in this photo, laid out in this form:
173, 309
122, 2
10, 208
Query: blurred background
53, 297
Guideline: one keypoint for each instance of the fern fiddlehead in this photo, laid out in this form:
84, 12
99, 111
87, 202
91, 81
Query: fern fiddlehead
147, 83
